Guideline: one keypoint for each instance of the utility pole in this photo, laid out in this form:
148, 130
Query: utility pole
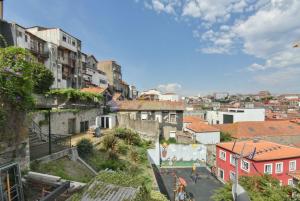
1, 9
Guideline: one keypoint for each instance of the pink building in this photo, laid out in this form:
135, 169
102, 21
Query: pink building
270, 158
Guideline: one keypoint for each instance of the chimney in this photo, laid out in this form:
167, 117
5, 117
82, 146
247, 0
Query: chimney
1, 9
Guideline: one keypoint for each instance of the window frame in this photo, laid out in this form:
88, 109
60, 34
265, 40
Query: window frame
281, 171
219, 170
290, 184
268, 164
230, 173
175, 120
224, 159
232, 159
145, 113
242, 162
293, 161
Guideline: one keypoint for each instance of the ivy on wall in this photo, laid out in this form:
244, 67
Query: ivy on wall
20, 76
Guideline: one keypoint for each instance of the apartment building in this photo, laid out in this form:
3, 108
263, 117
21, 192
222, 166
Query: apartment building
92, 76
233, 115
259, 157
113, 72
67, 48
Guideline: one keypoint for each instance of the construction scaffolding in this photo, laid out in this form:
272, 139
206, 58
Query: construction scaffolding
11, 183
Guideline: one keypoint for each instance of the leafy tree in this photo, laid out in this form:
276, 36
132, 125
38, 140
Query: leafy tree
259, 188
17, 72
109, 144
43, 79
129, 136
85, 147
225, 137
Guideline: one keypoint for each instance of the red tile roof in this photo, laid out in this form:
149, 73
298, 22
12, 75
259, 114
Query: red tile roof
144, 105
198, 125
260, 128
265, 150
93, 90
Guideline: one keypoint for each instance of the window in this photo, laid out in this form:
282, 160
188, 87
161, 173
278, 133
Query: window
245, 165
144, 115
222, 155
292, 166
64, 38
232, 160
279, 167
221, 173
290, 182
232, 176
268, 169
172, 134
26, 38
73, 43
172, 118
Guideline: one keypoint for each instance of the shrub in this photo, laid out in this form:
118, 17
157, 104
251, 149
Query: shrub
110, 142
129, 136
122, 148
84, 147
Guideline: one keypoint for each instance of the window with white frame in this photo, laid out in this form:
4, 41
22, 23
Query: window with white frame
172, 134
172, 118
144, 115
221, 173
292, 165
232, 175
290, 182
232, 159
222, 155
245, 165
279, 167
268, 169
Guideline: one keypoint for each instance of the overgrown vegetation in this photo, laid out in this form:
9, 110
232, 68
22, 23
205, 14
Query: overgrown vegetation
225, 137
260, 188
130, 162
75, 95
169, 141
84, 147
20, 76
64, 168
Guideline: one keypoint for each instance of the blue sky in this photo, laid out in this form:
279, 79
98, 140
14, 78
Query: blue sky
188, 46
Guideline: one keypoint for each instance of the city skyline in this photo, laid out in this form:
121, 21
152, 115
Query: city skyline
190, 47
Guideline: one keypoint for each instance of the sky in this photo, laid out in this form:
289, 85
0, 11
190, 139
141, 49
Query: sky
192, 47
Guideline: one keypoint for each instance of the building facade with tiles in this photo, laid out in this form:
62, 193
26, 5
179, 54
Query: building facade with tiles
278, 160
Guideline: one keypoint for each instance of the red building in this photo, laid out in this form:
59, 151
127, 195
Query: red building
270, 158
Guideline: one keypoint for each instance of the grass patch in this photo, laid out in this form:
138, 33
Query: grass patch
64, 168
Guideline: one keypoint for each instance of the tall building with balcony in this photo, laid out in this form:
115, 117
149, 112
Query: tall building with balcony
92, 76
113, 73
67, 48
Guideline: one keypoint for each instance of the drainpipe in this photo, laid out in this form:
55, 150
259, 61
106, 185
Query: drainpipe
1, 9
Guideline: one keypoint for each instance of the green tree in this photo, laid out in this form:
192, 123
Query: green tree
85, 147
225, 137
259, 188
43, 79
17, 81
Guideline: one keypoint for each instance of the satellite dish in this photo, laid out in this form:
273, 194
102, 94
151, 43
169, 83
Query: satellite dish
241, 194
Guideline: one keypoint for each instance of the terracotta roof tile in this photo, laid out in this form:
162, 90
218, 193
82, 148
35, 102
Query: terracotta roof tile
201, 126
191, 119
150, 105
265, 150
93, 90
260, 128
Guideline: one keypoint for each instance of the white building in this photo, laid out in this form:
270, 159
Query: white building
68, 55
92, 76
233, 115
154, 94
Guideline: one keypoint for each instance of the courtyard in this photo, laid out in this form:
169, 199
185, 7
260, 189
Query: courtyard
202, 190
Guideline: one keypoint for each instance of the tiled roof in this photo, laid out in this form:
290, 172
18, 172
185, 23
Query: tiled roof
260, 128
108, 192
265, 150
94, 90
201, 126
144, 105
198, 125
191, 119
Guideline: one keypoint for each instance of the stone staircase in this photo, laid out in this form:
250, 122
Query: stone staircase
36, 137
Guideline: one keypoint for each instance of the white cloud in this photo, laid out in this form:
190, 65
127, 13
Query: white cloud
264, 29
167, 6
171, 87
288, 77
